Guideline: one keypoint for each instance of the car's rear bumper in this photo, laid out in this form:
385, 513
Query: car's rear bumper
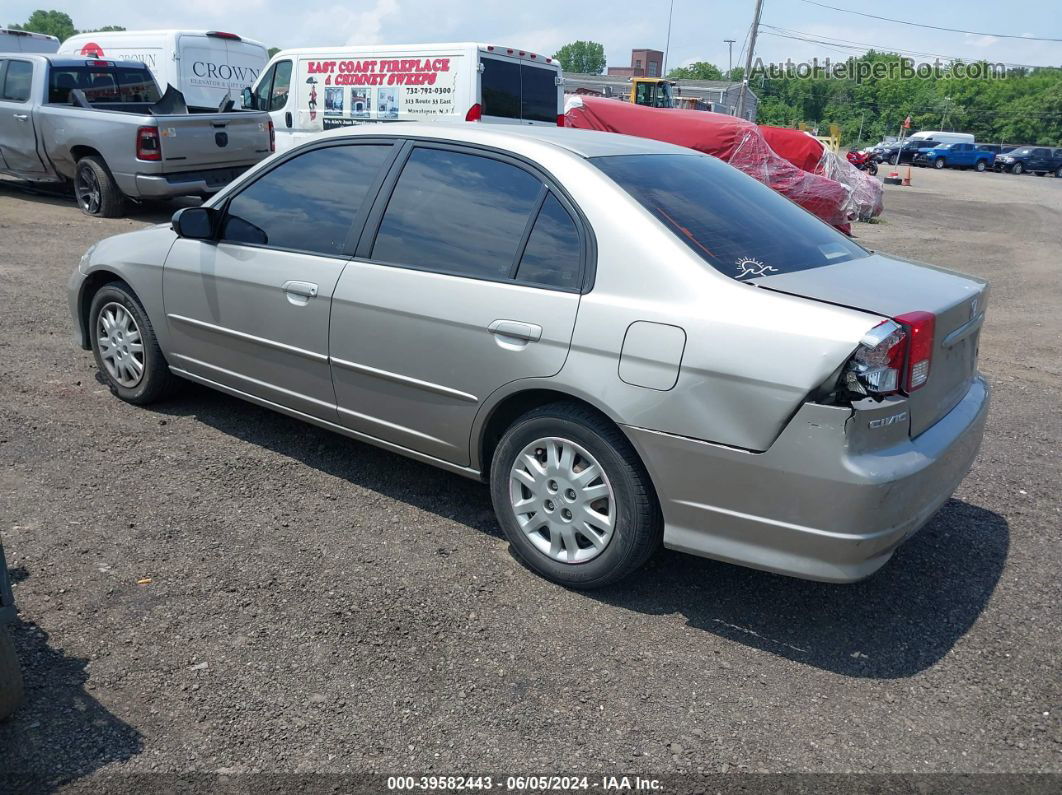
186, 183
812, 505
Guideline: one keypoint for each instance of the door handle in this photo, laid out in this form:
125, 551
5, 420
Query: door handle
21, 116
517, 329
304, 290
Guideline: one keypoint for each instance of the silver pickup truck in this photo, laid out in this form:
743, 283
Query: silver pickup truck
103, 126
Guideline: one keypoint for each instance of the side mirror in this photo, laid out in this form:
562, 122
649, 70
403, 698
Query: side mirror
195, 223
247, 98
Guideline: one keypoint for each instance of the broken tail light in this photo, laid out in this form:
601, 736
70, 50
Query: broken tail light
893, 357
272, 137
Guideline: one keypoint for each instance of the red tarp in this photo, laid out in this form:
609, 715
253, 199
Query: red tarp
736, 141
808, 153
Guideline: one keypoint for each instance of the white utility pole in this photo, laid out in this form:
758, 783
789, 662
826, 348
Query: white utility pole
667, 46
730, 58
748, 58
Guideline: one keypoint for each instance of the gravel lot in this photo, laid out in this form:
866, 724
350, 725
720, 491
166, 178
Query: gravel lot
317, 605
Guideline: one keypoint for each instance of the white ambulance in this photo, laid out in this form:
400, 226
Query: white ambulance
204, 65
309, 90
24, 41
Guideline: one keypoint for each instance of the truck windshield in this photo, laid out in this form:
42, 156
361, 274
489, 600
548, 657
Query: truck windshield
738, 226
102, 83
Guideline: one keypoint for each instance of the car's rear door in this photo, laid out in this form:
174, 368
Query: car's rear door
250, 310
468, 277
18, 137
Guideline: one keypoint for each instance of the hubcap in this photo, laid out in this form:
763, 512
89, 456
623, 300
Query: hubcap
120, 346
562, 500
87, 188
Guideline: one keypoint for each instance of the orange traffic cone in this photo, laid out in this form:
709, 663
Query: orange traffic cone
907, 179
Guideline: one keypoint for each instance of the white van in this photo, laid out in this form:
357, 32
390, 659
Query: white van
204, 65
310, 90
942, 137
24, 41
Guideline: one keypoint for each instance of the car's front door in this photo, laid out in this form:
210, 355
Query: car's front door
250, 310
468, 277
18, 139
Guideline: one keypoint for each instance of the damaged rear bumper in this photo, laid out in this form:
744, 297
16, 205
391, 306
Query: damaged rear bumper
818, 504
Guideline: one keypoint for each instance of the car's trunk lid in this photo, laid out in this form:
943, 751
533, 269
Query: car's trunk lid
890, 287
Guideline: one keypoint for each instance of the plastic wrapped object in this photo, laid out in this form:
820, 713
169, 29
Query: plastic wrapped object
735, 141
808, 153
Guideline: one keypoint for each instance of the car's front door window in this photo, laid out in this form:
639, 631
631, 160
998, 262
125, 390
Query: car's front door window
278, 95
308, 203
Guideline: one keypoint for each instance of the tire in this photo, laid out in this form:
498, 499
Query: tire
872, 168
980, 165
894, 160
631, 503
938, 163
1058, 173
11, 686
116, 354
1017, 168
96, 192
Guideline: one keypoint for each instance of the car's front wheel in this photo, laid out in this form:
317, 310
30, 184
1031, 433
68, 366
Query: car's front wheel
573, 498
124, 345
1017, 168
981, 165
938, 163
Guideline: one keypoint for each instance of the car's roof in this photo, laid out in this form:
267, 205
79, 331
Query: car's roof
585, 143
67, 59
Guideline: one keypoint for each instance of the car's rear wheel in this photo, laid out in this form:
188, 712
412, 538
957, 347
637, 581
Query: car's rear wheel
10, 675
1058, 173
126, 350
573, 498
95, 189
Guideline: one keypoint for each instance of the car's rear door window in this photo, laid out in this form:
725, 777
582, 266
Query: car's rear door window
456, 212
553, 254
17, 81
737, 225
308, 203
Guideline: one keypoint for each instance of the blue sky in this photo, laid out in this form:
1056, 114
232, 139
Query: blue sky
698, 29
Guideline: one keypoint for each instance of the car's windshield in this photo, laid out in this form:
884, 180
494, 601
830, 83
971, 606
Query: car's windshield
737, 225
944, 146
1025, 150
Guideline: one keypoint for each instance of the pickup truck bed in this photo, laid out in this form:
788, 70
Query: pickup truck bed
100, 126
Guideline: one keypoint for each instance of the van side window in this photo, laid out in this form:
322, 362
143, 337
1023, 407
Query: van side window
17, 81
552, 256
278, 94
308, 203
264, 90
457, 213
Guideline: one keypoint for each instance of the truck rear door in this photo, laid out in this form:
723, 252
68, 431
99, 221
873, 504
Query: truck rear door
216, 64
18, 136
213, 139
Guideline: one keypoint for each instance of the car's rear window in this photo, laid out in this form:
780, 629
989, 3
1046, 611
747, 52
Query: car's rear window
513, 90
102, 83
737, 225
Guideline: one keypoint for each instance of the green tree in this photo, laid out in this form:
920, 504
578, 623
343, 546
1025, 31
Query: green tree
587, 57
273, 51
105, 29
52, 23
701, 70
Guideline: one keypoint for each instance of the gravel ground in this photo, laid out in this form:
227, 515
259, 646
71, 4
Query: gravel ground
317, 605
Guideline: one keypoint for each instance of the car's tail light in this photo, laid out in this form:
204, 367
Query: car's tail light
272, 137
921, 327
475, 113
148, 146
560, 119
893, 356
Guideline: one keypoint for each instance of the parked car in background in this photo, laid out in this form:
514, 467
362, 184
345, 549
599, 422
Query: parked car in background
1039, 160
24, 41
942, 136
905, 152
10, 671
955, 155
206, 66
100, 126
307, 91
567, 314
